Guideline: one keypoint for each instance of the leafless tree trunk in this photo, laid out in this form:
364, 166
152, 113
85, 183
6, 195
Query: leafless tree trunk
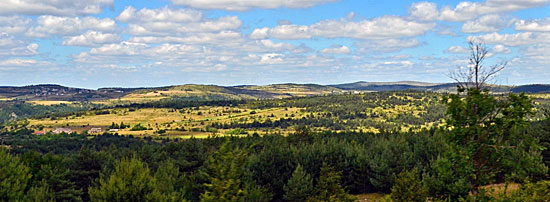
476, 74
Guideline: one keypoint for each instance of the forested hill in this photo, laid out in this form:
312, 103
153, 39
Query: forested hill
214, 92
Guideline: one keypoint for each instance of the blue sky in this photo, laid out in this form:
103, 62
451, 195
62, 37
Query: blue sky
101, 43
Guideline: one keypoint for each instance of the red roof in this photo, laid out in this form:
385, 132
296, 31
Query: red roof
39, 132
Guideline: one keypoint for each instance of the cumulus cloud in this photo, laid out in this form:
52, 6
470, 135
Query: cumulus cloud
501, 49
336, 49
424, 11
457, 49
91, 38
167, 21
220, 38
386, 45
537, 25
515, 39
69, 26
470, 10
130, 14
238, 5
14, 24
487, 23
378, 28
58, 7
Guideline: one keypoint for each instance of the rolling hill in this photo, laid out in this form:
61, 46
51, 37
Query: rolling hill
52, 92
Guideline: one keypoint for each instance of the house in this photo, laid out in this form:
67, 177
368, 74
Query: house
39, 132
94, 130
113, 130
61, 130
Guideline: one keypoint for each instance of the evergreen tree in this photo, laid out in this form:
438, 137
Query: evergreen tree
328, 188
299, 187
225, 169
169, 183
14, 177
409, 188
130, 181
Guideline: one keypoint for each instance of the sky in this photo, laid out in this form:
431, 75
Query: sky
143, 43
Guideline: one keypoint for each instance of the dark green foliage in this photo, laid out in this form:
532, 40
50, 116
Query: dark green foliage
271, 167
14, 177
169, 182
138, 127
225, 169
328, 187
299, 187
130, 181
409, 188
485, 143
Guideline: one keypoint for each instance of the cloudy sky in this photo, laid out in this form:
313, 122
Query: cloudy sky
99, 43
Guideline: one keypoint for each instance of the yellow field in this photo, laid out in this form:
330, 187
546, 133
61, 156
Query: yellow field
540, 95
48, 102
169, 120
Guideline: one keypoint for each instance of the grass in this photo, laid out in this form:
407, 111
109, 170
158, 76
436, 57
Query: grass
48, 102
167, 119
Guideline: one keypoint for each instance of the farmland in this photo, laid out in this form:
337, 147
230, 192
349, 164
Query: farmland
371, 112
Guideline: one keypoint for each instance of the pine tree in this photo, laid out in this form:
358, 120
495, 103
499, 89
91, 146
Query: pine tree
329, 189
130, 181
225, 168
14, 177
169, 183
409, 187
299, 187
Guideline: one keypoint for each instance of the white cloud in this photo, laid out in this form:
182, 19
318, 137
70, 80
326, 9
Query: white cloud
386, 45
538, 25
174, 22
91, 38
457, 49
66, 26
14, 24
471, 10
124, 48
516, 39
425, 11
336, 50
130, 14
501, 49
487, 23
539, 54
260, 33
219, 38
239, 5
57, 7
21, 63
9, 46
379, 28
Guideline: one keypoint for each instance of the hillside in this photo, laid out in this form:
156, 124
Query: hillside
48, 92
61, 93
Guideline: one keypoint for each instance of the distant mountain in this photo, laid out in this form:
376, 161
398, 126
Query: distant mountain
57, 92
410, 85
533, 88
214, 92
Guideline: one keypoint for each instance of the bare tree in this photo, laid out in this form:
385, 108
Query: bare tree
476, 74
